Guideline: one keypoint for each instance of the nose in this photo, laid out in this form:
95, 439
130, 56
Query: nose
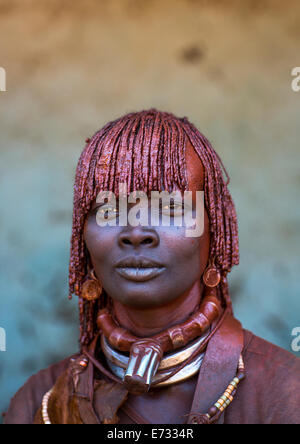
137, 236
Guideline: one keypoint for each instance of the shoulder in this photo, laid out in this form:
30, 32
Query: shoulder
272, 384
261, 352
25, 403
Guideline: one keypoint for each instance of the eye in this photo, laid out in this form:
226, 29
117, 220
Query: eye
173, 208
107, 211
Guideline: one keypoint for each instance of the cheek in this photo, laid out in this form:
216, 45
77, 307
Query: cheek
177, 244
99, 241
186, 257
186, 249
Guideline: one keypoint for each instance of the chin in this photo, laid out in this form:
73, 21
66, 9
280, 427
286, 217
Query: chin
142, 299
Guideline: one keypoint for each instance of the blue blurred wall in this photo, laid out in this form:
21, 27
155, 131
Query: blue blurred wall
71, 67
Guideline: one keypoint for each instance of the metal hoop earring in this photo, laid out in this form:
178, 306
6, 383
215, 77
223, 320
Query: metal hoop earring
211, 276
91, 288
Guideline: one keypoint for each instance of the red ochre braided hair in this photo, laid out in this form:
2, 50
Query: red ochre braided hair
146, 150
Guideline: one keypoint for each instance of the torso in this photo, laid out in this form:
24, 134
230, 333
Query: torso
271, 374
168, 405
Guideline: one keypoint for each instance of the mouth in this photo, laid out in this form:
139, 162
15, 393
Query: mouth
139, 269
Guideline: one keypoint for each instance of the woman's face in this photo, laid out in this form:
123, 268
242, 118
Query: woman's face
149, 266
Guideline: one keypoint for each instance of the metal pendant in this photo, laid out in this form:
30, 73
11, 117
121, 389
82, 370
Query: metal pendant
144, 360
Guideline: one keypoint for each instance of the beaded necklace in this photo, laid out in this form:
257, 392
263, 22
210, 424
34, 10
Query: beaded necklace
211, 417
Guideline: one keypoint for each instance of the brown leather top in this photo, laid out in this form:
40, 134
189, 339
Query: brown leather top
270, 394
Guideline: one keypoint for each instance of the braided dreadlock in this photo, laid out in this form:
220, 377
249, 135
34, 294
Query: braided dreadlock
146, 150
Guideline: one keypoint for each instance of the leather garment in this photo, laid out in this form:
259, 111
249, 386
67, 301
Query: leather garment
270, 393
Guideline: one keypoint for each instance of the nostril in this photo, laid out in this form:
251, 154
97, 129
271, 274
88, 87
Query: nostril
138, 236
148, 240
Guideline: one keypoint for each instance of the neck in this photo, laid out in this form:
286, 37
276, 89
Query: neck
145, 322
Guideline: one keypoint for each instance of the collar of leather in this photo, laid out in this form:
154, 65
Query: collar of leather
170, 339
218, 368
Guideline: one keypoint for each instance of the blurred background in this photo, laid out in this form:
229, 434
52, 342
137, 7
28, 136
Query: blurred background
72, 66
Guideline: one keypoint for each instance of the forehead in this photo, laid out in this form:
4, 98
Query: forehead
194, 169
121, 171
194, 172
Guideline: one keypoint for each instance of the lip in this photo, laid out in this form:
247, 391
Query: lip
139, 269
139, 274
138, 262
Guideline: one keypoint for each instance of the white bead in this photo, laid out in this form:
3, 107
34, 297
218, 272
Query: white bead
46, 419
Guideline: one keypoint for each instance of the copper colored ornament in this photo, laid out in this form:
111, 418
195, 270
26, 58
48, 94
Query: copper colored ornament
146, 353
91, 288
170, 339
211, 276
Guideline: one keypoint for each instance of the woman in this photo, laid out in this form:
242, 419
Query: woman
159, 343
